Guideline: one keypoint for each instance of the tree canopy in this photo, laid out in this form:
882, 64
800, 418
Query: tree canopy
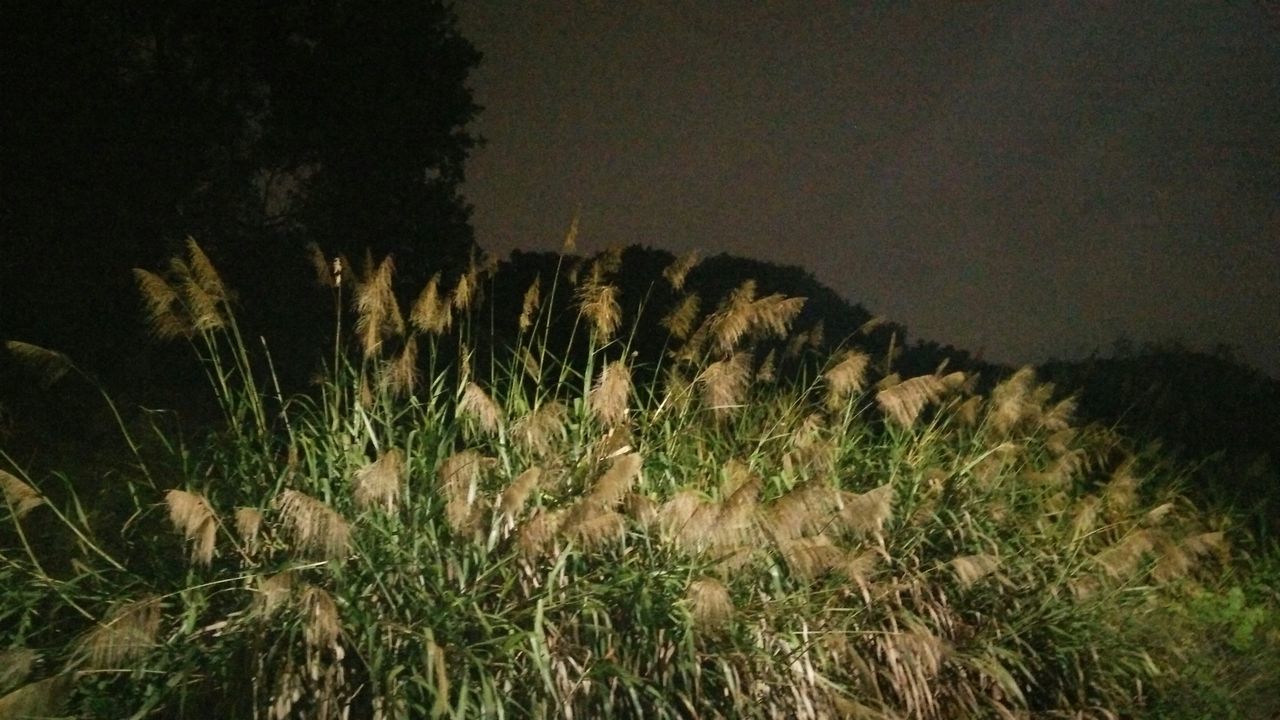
254, 126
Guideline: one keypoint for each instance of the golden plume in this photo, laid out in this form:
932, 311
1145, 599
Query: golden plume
532, 300
191, 515
608, 399
676, 272
845, 378
314, 526
21, 497
378, 483
477, 405
432, 313
598, 303
129, 632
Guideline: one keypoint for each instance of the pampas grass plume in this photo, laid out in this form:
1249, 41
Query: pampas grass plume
314, 526
431, 313
191, 515
129, 632
378, 483
532, 300
679, 322
676, 272
710, 604
538, 428
598, 303
477, 405
608, 399
21, 497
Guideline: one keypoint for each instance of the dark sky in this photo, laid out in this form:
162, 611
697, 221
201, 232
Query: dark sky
1030, 179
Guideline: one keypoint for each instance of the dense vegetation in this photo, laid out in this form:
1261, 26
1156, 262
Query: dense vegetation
709, 514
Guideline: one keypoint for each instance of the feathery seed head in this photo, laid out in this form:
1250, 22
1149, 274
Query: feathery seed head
593, 528
845, 378
327, 273
537, 430
903, 402
608, 399
676, 272
539, 532
273, 592
1011, 400
313, 525
203, 272
679, 322
641, 508
477, 405
867, 327
165, 313
598, 303
401, 375
971, 568
378, 313
459, 476
609, 489
464, 292
570, 245
868, 512
724, 383
767, 372
191, 515
249, 526
710, 605
432, 313
512, 500
127, 633
323, 623
809, 557
532, 300
21, 497
378, 483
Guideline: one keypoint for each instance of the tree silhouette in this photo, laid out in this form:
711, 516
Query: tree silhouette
254, 126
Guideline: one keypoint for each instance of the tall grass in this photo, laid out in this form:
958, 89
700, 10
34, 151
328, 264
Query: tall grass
447, 527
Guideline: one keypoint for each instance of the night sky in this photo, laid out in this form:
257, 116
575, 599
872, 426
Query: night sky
1027, 179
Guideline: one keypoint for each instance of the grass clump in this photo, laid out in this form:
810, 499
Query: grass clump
451, 527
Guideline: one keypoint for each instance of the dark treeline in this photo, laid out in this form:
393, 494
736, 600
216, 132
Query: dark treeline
1205, 408
256, 127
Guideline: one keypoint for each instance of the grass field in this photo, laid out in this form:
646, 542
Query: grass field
451, 525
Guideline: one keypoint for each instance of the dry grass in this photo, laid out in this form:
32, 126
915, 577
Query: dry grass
724, 384
21, 497
378, 484
377, 311
598, 304
432, 313
314, 527
126, 634
459, 476
680, 321
192, 516
609, 398
48, 365
709, 603
42, 699
476, 404
846, 377
676, 272
529, 307
903, 402
706, 546
539, 429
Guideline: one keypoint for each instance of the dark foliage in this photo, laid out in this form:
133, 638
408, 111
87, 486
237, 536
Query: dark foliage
1206, 408
254, 126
